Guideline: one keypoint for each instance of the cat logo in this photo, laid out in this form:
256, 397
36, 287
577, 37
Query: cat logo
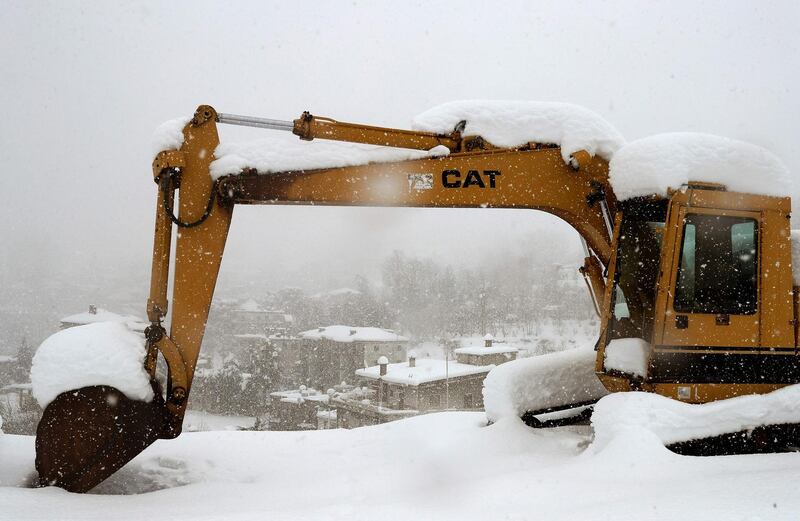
453, 179
420, 181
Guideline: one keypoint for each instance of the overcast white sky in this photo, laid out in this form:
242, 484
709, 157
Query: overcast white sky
84, 84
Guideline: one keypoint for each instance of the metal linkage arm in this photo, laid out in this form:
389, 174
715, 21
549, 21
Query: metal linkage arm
309, 127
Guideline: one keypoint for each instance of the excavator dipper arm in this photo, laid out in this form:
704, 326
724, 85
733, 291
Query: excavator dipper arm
88, 434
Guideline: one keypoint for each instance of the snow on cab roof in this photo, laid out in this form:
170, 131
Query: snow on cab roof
654, 164
348, 334
515, 123
425, 370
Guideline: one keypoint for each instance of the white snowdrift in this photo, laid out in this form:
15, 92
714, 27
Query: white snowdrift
550, 380
628, 355
656, 163
289, 153
515, 123
673, 421
443, 467
104, 353
169, 135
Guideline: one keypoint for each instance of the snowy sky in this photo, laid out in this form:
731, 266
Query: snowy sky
84, 85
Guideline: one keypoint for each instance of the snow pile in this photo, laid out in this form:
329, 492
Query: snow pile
290, 154
796, 257
169, 135
654, 164
347, 334
105, 353
515, 123
530, 384
673, 421
425, 370
444, 467
628, 355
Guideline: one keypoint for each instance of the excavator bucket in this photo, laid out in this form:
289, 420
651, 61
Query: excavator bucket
88, 434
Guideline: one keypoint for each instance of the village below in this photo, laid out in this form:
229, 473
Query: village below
347, 357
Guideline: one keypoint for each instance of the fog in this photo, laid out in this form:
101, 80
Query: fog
84, 85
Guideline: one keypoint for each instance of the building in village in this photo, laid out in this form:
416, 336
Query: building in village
8, 367
490, 353
409, 388
389, 391
331, 355
18, 397
251, 318
300, 409
95, 314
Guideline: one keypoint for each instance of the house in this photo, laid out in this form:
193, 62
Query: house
96, 314
490, 353
409, 388
18, 397
250, 318
8, 366
297, 410
330, 355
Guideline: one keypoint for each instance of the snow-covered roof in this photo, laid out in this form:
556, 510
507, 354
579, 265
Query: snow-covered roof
327, 415
250, 306
251, 336
483, 350
102, 315
628, 355
104, 353
348, 334
336, 292
17, 387
300, 395
515, 123
426, 370
654, 164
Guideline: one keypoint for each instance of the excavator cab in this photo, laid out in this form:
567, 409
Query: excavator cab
693, 278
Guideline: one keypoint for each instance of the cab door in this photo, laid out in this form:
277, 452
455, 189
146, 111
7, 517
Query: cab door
709, 288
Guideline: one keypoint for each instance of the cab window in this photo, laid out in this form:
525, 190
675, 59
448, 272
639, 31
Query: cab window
718, 268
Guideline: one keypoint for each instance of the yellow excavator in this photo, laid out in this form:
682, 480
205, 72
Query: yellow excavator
703, 274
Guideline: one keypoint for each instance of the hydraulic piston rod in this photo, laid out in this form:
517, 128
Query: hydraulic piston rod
250, 121
309, 127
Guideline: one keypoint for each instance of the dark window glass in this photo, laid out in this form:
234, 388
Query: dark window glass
718, 269
638, 256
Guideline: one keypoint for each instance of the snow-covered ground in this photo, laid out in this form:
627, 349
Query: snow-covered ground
439, 466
